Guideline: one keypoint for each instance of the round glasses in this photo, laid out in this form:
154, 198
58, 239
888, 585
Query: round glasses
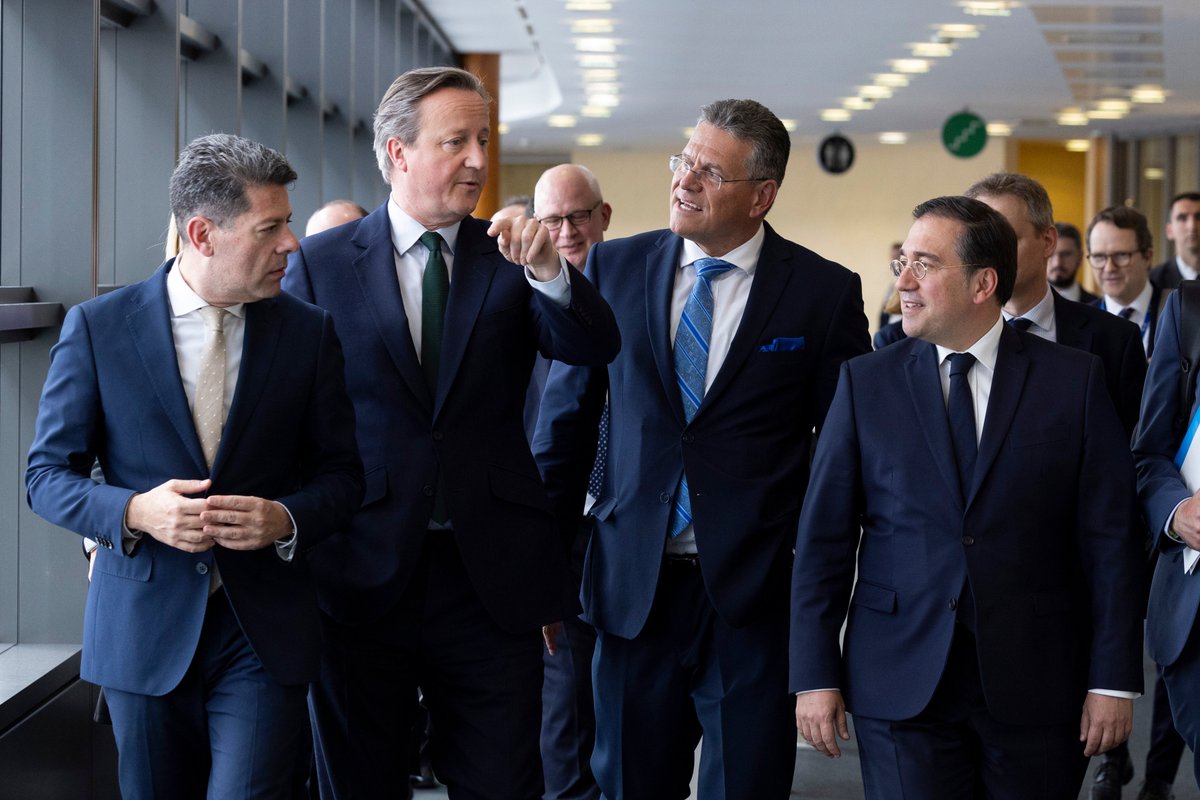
920, 269
709, 178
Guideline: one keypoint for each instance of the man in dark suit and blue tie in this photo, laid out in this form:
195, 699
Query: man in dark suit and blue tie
732, 337
217, 410
971, 511
454, 563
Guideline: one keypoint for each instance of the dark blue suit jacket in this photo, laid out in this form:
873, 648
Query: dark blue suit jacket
746, 451
1174, 596
113, 393
1046, 534
472, 428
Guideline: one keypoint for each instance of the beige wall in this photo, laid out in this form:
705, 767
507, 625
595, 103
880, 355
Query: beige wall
851, 218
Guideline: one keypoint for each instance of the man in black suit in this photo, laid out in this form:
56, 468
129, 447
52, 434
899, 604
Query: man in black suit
1183, 228
1034, 307
1062, 269
1120, 250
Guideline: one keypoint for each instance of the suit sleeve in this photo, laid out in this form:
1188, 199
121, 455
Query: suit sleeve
823, 573
1160, 486
1132, 379
584, 332
68, 437
296, 280
331, 472
848, 337
1109, 541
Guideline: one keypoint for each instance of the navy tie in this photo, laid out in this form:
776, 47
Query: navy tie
961, 408
1020, 323
596, 478
1126, 312
691, 366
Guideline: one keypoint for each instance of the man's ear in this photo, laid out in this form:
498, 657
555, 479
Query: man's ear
199, 234
396, 154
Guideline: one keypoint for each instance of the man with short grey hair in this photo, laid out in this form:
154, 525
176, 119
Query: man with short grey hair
731, 341
216, 408
453, 565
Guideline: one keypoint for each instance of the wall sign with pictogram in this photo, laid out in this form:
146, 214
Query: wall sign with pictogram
965, 134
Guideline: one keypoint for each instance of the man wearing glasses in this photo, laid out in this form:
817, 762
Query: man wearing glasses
1120, 250
978, 481
731, 341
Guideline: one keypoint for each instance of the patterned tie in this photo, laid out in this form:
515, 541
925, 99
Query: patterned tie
691, 366
435, 288
596, 478
1020, 323
208, 410
961, 408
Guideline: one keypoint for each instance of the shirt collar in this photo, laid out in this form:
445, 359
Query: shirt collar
744, 256
184, 301
984, 349
1041, 315
406, 231
1140, 304
1187, 272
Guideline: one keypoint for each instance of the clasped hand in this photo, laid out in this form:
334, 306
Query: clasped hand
170, 514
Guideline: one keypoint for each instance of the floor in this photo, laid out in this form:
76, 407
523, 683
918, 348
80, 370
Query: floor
819, 778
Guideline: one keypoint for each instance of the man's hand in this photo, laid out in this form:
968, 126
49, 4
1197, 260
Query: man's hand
550, 634
245, 523
821, 719
1186, 522
523, 240
167, 514
1105, 723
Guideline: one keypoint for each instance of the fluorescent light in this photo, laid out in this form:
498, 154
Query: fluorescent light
835, 115
988, 8
589, 5
893, 137
910, 66
601, 88
589, 140
560, 121
1072, 116
605, 100
1152, 173
958, 30
931, 49
857, 104
1078, 145
1149, 94
596, 44
592, 25
1100, 113
874, 92
789, 125
892, 80
999, 129
1114, 104
595, 111
600, 75
503, 128
596, 61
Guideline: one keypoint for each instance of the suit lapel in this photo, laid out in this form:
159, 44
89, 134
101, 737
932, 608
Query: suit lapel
149, 325
771, 276
473, 273
260, 340
662, 263
1007, 383
925, 391
375, 269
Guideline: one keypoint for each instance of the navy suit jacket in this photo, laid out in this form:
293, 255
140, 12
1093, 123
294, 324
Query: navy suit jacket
472, 429
1046, 535
1166, 275
1174, 596
746, 451
113, 393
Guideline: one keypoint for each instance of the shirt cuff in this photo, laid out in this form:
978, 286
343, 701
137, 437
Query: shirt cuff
1172, 535
1116, 693
286, 548
558, 288
810, 691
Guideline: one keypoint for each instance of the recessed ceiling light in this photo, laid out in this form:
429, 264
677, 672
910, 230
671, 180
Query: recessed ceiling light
931, 49
835, 115
893, 80
1072, 116
596, 44
1153, 173
1114, 104
999, 129
874, 92
988, 8
601, 88
503, 128
589, 5
595, 111
910, 66
1149, 94
1078, 145
589, 140
596, 61
560, 121
958, 30
893, 137
592, 25
1101, 113
605, 100
789, 125
857, 104
600, 74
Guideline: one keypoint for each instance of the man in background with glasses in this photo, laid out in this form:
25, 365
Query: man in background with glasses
731, 341
1120, 250
978, 481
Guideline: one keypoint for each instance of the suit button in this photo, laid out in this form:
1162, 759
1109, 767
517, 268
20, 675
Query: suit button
202, 568
968, 540
688, 438
427, 490
437, 436
954, 604
664, 497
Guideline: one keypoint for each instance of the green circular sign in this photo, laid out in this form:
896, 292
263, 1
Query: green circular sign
964, 134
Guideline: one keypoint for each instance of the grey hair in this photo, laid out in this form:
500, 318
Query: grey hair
399, 112
1022, 187
214, 172
753, 122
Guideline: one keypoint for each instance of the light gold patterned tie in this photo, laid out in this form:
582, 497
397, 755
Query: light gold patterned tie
208, 411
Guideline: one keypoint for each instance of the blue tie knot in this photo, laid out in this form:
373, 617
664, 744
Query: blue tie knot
709, 268
960, 363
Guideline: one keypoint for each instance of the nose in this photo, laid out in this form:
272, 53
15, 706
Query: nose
688, 179
290, 243
477, 155
906, 280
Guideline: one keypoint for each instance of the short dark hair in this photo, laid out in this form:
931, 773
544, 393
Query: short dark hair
987, 241
399, 112
1068, 231
1024, 188
1126, 218
752, 122
214, 172
1192, 196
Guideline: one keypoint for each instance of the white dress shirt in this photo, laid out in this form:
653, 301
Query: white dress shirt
1186, 272
1072, 292
730, 293
1141, 311
1041, 317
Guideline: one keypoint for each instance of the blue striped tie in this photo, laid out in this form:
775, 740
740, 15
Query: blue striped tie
691, 365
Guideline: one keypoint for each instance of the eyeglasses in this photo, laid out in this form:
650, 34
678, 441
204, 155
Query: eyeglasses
920, 269
707, 177
577, 218
1120, 260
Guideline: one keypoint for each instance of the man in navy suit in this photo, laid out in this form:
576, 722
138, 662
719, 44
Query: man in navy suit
228, 452
994, 559
732, 337
454, 563
1120, 247
1183, 230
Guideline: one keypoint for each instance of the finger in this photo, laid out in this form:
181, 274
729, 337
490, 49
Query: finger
235, 502
831, 745
180, 486
843, 727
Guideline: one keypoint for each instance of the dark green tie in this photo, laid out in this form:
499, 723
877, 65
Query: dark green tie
435, 286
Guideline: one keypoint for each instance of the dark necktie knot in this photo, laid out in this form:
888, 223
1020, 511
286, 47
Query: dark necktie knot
1020, 323
1126, 312
961, 363
432, 241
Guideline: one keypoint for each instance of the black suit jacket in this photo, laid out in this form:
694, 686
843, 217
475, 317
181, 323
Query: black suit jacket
1166, 275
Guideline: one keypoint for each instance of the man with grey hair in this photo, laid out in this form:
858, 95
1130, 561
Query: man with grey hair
216, 408
448, 573
732, 338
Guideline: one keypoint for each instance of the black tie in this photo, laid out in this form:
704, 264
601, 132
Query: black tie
1020, 323
1126, 312
961, 408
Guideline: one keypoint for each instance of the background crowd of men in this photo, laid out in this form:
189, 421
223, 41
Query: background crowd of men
566, 490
